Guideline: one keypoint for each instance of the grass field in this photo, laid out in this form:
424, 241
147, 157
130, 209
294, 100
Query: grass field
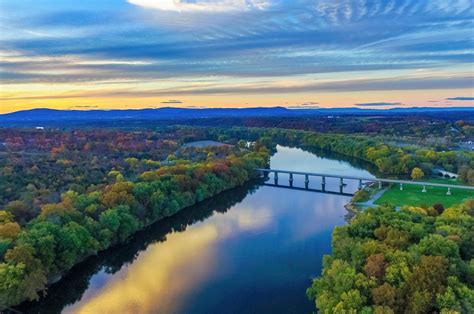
412, 195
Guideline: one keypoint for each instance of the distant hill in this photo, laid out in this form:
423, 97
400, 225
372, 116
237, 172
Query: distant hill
167, 113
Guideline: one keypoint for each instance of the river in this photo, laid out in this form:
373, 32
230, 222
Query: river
250, 250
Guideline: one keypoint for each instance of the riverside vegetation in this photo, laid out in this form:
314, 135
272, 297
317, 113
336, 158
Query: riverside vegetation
38, 250
415, 260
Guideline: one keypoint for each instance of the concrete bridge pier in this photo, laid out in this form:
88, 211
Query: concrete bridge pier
449, 191
360, 185
341, 185
323, 183
306, 181
291, 179
380, 184
424, 189
401, 186
276, 178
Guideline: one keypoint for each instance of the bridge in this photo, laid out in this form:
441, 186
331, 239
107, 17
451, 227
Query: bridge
362, 180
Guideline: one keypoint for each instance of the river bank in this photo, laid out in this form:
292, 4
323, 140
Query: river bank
67, 233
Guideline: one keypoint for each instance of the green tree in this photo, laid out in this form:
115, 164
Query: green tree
119, 222
12, 278
34, 279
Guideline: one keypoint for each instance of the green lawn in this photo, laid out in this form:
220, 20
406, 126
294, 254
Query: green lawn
412, 195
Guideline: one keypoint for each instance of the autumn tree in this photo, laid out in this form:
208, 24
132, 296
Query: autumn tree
417, 173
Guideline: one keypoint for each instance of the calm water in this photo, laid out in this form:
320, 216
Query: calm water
250, 250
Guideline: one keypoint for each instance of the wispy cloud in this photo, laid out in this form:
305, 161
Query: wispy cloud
461, 98
379, 104
339, 86
172, 101
84, 106
202, 5
306, 105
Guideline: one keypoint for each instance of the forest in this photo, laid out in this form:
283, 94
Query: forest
415, 260
42, 235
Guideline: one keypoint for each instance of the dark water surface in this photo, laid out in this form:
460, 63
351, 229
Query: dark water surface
250, 250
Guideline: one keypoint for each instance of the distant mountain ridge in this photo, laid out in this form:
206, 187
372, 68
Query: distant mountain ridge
167, 113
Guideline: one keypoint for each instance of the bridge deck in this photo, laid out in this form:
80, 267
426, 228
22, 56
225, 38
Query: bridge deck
313, 174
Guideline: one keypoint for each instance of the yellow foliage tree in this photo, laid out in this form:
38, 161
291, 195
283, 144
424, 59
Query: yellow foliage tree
417, 173
9, 230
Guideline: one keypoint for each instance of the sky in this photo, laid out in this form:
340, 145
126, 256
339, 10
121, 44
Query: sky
124, 54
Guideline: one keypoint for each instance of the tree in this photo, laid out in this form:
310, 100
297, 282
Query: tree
5, 216
34, 274
436, 245
375, 266
42, 236
19, 210
9, 230
384, 295
417, 173
74, 243
12, 278
361, 196
336, 287
119, 222
428, 279
439, 208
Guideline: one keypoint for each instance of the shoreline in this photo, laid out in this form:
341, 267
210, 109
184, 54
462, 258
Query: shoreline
56, 278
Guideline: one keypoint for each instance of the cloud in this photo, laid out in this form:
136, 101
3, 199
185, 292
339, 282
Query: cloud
378, 104
202, 5
216, 88
306, 105
309, 104
153, 48
172, 101
460, 98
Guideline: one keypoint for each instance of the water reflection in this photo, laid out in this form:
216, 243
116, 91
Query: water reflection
250, 250
157, 277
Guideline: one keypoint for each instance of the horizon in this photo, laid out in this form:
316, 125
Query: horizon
361, 109
302, 54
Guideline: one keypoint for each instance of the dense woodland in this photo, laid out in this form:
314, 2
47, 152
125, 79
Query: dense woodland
410, 126
426, 130
416, 260
40, 240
